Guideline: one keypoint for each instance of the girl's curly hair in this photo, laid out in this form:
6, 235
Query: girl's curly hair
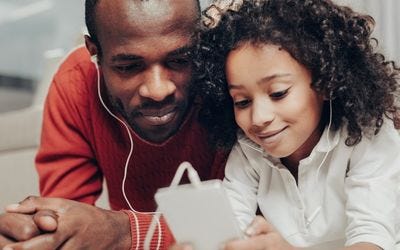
331, 41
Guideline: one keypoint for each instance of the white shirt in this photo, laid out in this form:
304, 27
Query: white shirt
350, 199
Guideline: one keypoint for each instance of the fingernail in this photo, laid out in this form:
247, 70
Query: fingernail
250, 231
12, 207
187, 247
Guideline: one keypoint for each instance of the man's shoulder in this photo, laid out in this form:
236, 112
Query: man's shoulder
76, 78
77, 56
78, 63
76, 71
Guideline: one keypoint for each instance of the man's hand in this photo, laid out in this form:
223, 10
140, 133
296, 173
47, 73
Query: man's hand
79, 226
20, 227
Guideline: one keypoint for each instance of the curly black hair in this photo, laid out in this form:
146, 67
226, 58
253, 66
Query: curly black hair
331, 41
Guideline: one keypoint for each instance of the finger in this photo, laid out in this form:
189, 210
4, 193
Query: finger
17, 208
181, 247
255, 243
46, 220
25, 206
41, 242
4, 241
32, 204
259, 226
18, 226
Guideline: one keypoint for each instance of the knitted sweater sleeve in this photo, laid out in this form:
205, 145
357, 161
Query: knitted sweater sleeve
65, 161
140, 222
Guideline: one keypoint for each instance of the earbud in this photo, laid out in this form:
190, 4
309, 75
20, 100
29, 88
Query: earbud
93, 58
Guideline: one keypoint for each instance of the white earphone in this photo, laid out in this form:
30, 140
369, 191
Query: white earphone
93, 58
156, 215
314, 214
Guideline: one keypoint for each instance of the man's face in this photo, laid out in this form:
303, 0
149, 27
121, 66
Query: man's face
145, 62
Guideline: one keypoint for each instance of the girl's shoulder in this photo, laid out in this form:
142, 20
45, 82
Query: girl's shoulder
384, 146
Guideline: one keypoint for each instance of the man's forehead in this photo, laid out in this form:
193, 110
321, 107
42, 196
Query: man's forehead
149, 16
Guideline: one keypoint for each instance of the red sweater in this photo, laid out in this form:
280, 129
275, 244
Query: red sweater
81, 143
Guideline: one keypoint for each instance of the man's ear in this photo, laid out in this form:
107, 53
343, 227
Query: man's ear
91, 46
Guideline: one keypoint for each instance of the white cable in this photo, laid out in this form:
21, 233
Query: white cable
327, 138
150, 232
311, 218
126, 163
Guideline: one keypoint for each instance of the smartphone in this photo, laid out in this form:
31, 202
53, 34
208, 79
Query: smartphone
200, 215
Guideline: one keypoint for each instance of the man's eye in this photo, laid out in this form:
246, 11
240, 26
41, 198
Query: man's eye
242, 104
178, 63
129, 68
279, 94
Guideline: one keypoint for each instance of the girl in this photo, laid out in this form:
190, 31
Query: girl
317, 152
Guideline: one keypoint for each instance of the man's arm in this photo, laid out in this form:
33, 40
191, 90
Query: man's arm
65, 161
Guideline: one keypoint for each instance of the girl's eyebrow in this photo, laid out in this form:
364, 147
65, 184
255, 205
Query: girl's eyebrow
263, 80
267, 79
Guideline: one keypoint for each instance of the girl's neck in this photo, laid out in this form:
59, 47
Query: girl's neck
291, 162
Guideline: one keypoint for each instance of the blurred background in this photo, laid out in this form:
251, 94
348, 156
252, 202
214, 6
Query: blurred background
36, 34
31, 30
28, 29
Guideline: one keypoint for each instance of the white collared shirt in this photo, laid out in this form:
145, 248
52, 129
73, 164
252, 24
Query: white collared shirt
351, 198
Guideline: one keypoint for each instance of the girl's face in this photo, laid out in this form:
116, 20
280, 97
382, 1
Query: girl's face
274, 103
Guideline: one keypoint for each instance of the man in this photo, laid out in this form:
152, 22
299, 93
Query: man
134, 133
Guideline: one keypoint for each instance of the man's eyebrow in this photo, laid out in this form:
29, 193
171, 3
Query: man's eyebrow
125, 57
181, 50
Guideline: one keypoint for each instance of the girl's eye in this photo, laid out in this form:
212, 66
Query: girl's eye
242, 104
279, 95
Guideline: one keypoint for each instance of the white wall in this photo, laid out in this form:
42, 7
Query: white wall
387, 17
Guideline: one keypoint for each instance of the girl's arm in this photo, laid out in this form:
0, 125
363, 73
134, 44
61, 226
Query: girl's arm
362, 246
241, 184
262, 235
371, 188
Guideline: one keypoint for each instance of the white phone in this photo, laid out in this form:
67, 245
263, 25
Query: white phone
200, 215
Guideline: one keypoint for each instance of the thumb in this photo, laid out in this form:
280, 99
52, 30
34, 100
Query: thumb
259, 226
46, 220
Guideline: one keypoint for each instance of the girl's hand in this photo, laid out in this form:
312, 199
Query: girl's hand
261, 236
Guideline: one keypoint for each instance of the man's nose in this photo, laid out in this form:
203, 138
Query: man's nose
262, 112
157, 84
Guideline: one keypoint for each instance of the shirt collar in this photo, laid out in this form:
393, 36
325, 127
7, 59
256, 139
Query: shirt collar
328, 141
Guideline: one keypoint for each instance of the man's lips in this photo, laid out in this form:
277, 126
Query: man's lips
158, 117
160, 120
